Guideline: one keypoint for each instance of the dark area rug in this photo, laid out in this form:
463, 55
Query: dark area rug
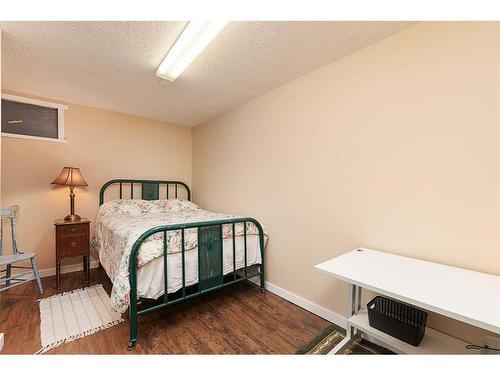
331, 336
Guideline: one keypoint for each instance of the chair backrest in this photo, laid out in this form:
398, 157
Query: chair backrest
9, 213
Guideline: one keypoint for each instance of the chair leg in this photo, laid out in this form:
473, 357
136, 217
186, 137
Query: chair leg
8, 274
37, 275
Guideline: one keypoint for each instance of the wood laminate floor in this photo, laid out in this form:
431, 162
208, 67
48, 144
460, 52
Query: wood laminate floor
236, 320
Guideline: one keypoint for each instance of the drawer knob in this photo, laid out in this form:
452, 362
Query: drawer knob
73, 244
73, 229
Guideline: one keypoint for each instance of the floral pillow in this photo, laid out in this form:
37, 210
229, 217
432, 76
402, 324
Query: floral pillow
165, 205
134, 207
127, 207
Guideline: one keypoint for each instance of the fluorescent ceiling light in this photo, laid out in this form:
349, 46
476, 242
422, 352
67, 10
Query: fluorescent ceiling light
192, 41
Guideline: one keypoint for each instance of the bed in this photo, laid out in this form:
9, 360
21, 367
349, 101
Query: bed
205, 250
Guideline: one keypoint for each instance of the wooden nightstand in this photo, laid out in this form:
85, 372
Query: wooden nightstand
72, 239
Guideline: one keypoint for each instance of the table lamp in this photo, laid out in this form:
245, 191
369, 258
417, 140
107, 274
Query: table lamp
71, 177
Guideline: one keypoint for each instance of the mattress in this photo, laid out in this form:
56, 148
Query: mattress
119, 224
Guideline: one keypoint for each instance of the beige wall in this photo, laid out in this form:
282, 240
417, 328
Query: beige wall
395, 147
104, 145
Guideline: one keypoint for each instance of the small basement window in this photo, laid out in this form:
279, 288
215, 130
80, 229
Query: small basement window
32, 119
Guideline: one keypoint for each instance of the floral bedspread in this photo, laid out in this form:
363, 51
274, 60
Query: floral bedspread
119, 224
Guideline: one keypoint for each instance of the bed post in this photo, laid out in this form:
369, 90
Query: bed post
133, 298
132, 324
261, 245
262, 282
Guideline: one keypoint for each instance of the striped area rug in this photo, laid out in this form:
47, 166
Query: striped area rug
331, 336
72, 315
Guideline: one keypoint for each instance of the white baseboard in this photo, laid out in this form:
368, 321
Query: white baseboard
67, 269
329, 315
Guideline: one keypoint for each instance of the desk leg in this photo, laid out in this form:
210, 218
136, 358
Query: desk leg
352, 334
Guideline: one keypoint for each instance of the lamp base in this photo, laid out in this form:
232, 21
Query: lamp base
73, 218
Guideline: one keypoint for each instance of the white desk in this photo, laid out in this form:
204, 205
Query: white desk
464, 295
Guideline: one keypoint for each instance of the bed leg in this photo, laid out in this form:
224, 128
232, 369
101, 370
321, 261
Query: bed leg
131, 345
262, 282
132, 323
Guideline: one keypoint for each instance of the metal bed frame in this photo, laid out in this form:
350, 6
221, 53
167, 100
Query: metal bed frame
210, 251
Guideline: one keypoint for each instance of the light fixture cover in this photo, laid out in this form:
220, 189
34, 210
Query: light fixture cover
70, 176
192, 41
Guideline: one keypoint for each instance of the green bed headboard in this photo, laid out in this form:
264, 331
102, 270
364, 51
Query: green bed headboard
150, 189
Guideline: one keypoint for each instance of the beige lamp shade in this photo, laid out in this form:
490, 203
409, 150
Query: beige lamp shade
71, 177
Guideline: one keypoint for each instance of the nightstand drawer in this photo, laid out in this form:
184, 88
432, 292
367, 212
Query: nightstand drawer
73, 230
68, 245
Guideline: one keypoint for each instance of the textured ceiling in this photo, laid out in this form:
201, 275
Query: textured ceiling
112, 65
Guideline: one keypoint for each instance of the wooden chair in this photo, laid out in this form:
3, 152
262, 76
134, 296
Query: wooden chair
17, 256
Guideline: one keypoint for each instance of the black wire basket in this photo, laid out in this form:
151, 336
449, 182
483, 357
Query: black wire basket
404, 322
